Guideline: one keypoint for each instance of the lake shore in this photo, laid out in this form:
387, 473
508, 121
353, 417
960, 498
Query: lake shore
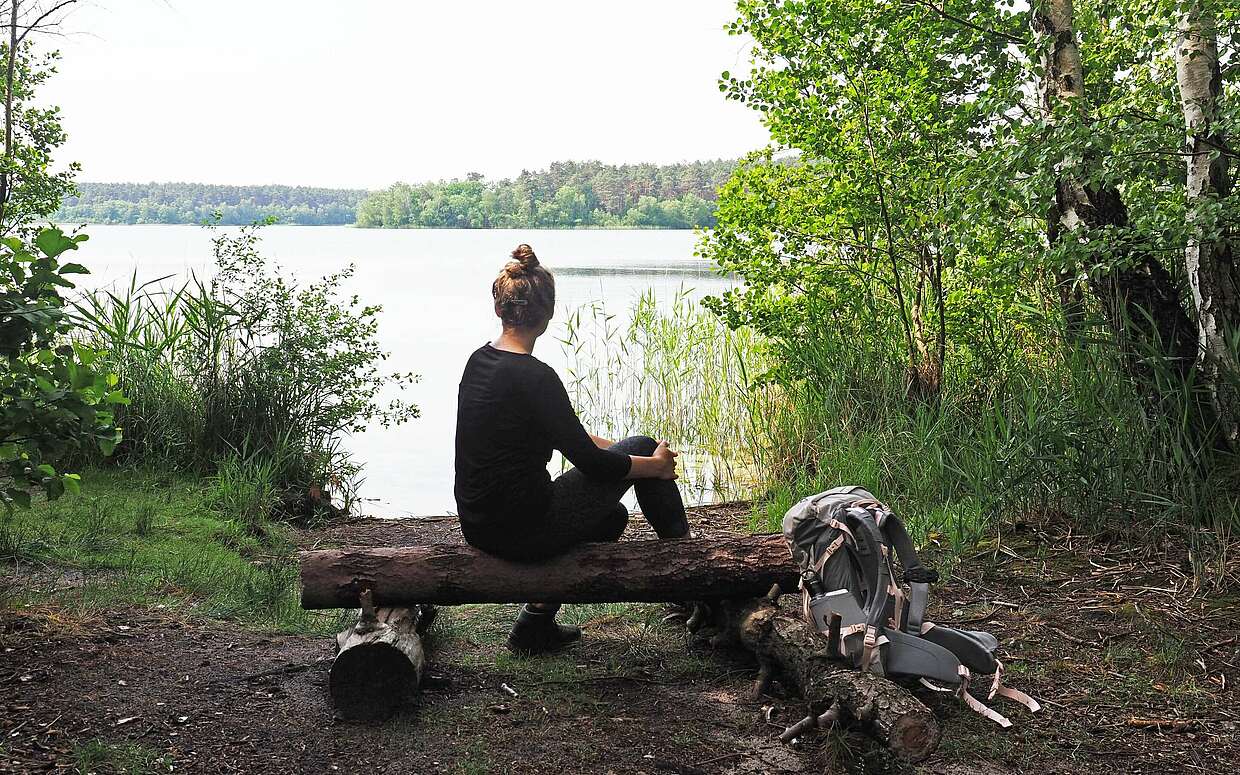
230, 692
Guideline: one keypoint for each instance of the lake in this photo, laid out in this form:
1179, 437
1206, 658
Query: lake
434, 286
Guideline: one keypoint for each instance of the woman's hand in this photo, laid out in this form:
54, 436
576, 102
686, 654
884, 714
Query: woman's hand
666, 461
660, 465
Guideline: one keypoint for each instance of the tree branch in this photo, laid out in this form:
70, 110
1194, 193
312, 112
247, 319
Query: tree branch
984, 30
43, 17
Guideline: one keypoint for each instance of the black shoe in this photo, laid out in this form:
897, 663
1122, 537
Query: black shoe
537, 633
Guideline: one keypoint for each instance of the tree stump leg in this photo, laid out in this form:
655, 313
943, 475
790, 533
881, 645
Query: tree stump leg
379, 661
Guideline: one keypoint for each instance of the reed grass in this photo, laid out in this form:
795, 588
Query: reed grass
1038, 429
199, 399
670, 371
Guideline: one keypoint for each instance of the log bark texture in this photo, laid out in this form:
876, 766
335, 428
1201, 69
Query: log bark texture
628, 571
379, 661
798, 654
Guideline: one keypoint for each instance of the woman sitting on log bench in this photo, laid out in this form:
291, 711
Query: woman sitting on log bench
512, 411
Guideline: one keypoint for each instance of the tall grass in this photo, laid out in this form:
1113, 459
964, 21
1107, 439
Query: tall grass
1058, 430
247, 376
1029, 431
670, 371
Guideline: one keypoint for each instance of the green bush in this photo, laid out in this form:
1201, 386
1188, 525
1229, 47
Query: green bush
247, 376
939, 328
56, 399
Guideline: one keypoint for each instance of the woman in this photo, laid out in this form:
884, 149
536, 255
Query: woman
512, 411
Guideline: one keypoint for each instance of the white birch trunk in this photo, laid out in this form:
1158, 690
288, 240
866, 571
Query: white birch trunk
1209, 262
1063, 81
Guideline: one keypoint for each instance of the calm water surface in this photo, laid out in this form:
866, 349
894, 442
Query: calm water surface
434, 286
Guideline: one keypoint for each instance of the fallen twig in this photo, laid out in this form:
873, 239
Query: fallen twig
1220, 644
978, 619
1164, 725
1073, 638
718, 759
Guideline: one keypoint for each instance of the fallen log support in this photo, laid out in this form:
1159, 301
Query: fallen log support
786, 645
628, 571
379, 661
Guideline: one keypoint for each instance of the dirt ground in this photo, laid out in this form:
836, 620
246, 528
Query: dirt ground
1135, 666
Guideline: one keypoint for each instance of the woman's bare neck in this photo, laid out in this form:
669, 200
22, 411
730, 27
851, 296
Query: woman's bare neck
515, 341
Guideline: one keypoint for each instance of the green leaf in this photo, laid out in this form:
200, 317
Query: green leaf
72, 483
86, 355
52, 242
107, 444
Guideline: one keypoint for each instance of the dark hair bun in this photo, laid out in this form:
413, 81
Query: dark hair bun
523, 259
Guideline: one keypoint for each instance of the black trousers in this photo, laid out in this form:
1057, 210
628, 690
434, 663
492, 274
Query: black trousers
586, 510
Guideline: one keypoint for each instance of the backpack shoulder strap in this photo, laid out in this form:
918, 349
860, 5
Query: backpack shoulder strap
878, 576
917, 575
897, 536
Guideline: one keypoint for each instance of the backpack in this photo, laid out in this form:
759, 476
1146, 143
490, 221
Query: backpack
842, 540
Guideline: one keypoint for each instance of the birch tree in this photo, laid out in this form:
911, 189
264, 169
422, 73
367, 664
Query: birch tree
1142, 302
1209, 257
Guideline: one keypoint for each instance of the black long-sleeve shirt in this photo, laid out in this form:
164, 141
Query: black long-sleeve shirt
512, 411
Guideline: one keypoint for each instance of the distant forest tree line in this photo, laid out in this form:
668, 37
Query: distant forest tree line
566, 195
198, 202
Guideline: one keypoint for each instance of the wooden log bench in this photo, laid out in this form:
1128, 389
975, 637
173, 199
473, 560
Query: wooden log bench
380, 660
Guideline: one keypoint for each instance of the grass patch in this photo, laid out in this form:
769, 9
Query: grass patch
99, 756
144, 538
476, 761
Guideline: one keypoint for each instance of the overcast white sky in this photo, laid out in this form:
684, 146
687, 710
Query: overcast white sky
367, 92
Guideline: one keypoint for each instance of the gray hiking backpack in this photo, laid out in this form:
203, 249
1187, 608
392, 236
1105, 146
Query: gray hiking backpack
842, 540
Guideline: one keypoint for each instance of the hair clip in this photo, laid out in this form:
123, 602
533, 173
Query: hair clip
521, 302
